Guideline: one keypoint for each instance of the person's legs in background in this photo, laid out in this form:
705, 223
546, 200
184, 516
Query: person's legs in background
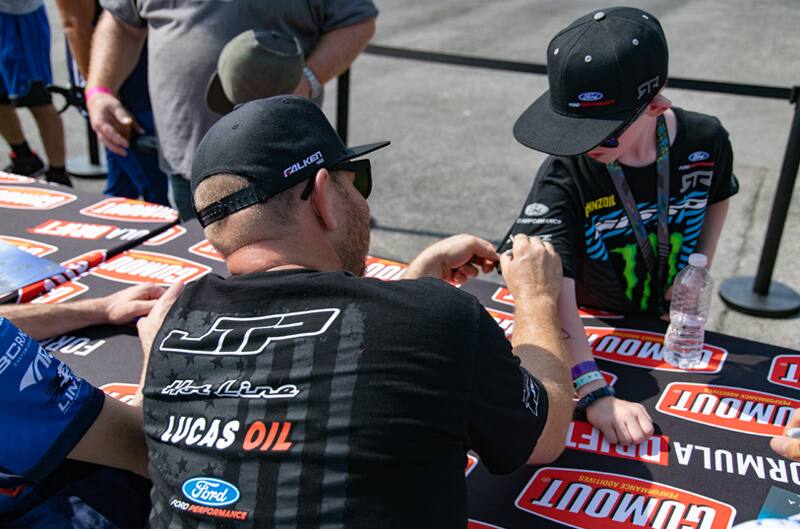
23, 160
180, 196
51, 130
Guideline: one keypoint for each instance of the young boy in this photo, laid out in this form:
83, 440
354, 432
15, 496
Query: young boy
631, 189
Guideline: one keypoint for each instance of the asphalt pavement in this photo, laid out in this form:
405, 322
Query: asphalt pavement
454, 166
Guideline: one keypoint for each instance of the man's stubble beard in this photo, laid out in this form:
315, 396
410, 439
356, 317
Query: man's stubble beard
352, 249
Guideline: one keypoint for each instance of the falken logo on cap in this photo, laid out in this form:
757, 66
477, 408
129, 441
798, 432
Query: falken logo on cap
206, 249
8, 178
730, 408
35, 198
698, 156
785, 371
39, 249
472, 462
72, 230
587, 499
646, 349
121, 391
591, 96
138, 266
384, 269
59, 294
129, 210
165, 236
316, 158
502, 295
504, 320
584, 437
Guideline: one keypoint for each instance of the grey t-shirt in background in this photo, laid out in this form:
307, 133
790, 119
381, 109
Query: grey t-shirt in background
185, 38
19, 7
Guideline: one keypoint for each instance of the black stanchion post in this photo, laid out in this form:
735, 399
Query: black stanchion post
343, 104
762, 296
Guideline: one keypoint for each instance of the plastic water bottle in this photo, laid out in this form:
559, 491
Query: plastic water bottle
688, 312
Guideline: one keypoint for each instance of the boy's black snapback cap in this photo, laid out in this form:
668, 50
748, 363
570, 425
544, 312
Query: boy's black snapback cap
602, 69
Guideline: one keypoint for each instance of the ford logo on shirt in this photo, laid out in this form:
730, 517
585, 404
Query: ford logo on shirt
591, 96
211, 492
698, 156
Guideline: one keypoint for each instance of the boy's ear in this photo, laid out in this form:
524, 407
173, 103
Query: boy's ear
658, 105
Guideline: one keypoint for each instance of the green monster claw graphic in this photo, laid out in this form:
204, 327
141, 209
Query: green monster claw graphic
629, 253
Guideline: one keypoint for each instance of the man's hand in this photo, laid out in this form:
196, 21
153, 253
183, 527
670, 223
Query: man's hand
455, 259
148, 327
785, 445
532, 269
620, 421
125, 306
111, 121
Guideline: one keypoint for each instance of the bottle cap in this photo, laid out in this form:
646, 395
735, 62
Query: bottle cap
699, 260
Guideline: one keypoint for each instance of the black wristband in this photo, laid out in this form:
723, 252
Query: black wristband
592, 397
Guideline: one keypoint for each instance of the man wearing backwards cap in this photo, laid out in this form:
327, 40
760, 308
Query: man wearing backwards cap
298, 394
618, 150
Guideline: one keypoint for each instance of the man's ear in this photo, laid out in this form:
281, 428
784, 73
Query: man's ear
658, 105
323, 200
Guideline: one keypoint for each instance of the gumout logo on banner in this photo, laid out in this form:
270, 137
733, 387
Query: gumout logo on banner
39, 249
129, 210
33, 198
137, 266
121, 391
8, 178
206, 249
165, 236
645, 349
730, 408
785, 371
584, 437
587, 499
384, 269
502, 295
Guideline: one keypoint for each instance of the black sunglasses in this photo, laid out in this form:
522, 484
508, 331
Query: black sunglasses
362, 180
612, 141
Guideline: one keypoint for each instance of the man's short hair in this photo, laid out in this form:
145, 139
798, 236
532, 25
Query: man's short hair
262, 221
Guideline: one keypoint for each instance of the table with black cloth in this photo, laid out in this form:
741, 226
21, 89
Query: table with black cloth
708, 465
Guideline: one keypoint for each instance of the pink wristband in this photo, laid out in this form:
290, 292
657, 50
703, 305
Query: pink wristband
97, 90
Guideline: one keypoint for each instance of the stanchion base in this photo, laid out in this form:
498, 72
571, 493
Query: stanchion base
781, 302
82, 167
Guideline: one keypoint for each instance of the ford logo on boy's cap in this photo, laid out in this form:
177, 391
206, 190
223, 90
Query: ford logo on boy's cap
591, 96
698, 156
211, 492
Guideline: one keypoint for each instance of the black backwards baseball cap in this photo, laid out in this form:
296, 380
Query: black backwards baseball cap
275, 143
602, 70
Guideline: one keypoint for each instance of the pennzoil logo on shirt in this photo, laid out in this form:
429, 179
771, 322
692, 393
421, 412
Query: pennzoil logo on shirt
730, 408
502, 295
384, 269
645, 349
584, 437
9, 178
39, 249
588, 499
165, 236
129, 210
206, 249
785, 371
138, 266
121, 391
608, 201
35, 198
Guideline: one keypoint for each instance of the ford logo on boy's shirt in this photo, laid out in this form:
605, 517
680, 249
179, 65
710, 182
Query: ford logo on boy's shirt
698, 156
591, 96
211, 492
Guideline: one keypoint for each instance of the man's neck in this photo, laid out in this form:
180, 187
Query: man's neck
269, 256
643, 152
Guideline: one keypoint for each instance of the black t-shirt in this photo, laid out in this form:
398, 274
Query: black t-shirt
315, 400
573, 205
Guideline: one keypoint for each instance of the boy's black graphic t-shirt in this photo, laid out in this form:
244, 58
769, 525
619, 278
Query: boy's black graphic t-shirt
573, 205
317, 400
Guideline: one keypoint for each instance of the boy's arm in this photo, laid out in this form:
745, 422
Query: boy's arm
712, 228
620, 421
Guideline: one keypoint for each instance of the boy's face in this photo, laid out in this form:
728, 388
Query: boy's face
641, 130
